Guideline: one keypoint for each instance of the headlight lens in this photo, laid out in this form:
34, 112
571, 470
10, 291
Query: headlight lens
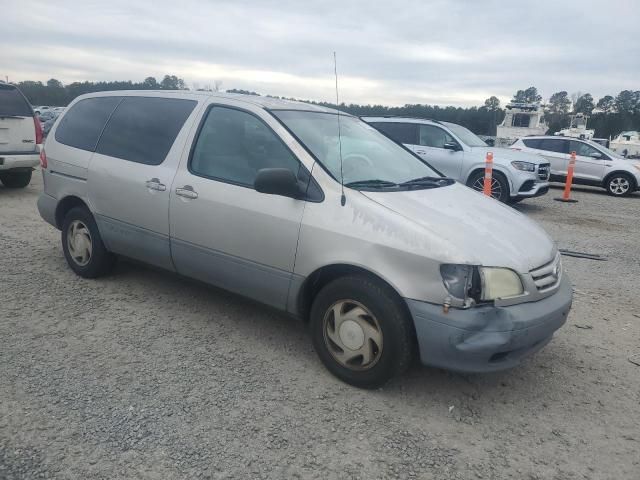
499, 283
524, 166
469, 284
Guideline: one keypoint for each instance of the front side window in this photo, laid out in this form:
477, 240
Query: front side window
466, 136
582, 149
367, 154
82, 125
435, 137
233, 145
143, 129
400, 132
554, 145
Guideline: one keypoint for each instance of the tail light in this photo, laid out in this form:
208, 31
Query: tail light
39, 136
43, 159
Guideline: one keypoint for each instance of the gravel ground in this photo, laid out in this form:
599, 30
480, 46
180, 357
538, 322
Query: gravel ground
147, 375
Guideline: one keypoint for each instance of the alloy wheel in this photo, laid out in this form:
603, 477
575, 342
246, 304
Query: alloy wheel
619, 185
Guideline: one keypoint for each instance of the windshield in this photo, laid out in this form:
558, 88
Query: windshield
466, 136
367, 155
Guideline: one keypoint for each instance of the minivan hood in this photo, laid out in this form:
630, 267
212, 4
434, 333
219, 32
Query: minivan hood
508, 155
464, 226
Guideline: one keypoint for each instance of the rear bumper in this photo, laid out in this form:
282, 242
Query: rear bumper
47, 208
486, 339
9, 161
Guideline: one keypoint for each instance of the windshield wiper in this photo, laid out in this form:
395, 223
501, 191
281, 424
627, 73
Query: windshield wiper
373, 183
425, 181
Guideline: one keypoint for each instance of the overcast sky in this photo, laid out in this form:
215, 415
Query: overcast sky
447, 52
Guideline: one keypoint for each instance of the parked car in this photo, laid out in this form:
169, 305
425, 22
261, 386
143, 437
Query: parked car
460, 154
595, 164
20, 135
333, 223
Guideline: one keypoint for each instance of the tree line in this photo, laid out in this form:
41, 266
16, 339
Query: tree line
609, 115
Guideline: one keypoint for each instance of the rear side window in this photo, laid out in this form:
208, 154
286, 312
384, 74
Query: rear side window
400, 132
13, 103
143, 129
81, 126
532, 142
554, 145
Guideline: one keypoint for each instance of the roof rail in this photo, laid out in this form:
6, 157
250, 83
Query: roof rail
401, 116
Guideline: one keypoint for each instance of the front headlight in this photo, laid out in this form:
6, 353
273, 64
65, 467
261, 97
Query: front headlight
499, 283
524, 166
469, 284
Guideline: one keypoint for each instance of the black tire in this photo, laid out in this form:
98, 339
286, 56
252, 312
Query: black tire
389, 313
100, 261
16, 179
500, 185
620, 184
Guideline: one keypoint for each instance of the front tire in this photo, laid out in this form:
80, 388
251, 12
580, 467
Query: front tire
619, 184
82, 245
362, 331
15, 179
499, 184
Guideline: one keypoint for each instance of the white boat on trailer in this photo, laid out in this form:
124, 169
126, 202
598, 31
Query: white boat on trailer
521, 120
626, 144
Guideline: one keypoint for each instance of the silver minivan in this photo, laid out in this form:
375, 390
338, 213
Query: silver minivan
310, 211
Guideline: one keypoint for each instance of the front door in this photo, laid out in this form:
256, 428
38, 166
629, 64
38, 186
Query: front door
431, 142
590, 162
223, 231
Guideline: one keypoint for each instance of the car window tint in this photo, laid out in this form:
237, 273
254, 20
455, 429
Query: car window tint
436, 137
554, 145
13, 103
532, 142
81, 126
143, 129
233, 145
400, 132
583, 149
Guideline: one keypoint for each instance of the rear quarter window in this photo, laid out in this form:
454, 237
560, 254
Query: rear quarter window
82, 125
13, 103
400, 132
143, 129
532, 142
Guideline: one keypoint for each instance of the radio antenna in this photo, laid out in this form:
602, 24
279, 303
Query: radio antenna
343, 199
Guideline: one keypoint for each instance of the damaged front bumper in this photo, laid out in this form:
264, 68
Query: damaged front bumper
488, 338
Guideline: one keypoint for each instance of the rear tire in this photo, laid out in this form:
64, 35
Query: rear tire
82, 245
16, 179
362, 331
499, 185
619, 184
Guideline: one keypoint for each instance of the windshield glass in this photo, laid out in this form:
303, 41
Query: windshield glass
366, 153
466, 136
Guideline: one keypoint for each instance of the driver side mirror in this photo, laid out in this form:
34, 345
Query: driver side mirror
491, 142
277, 181
596, 155
451, 146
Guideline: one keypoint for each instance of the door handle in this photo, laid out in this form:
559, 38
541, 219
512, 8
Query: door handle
421, 152
187, 192
154, 184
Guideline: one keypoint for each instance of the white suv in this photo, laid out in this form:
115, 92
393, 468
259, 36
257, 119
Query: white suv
20, 135
460, 154
595, 165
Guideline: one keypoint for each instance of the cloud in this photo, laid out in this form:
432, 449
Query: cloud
440, 52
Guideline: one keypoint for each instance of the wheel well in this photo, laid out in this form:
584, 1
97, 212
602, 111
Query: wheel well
66, 204
323, 276
626, 174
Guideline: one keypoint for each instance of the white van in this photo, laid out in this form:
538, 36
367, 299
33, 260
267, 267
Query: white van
20, 135
313, 212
